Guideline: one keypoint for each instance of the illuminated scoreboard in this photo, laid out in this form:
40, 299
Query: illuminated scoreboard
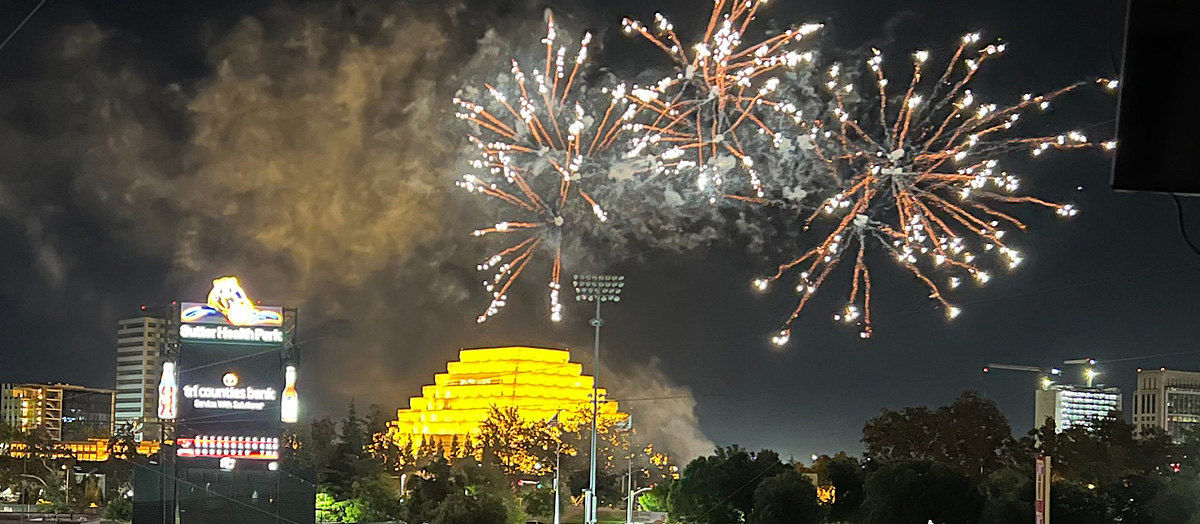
232, 387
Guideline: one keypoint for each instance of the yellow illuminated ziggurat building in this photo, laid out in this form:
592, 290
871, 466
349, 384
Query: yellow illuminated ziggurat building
539, 382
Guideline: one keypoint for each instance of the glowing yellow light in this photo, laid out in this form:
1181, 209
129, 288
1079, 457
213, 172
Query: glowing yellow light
539, 382
228, 298
826, 494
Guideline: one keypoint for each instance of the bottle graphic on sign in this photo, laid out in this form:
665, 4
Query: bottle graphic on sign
167, 392
289, 406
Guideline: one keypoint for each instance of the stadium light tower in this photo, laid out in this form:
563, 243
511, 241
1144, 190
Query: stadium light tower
598, 289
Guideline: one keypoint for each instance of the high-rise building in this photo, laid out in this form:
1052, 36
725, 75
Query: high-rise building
10, 411
1074, 406
64, 411
140, 343
539, 382
1167, 399
87, 412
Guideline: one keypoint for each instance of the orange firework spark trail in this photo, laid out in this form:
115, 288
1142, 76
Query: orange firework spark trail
538, 171
718, 88
896, 175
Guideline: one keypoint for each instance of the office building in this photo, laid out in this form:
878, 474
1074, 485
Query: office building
1074, 406
1167, 399
10, 411
539, 382
87, 412
139, 365
64, 411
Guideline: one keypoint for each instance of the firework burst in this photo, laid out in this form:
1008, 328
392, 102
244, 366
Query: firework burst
919, 177
707, 119
538, 141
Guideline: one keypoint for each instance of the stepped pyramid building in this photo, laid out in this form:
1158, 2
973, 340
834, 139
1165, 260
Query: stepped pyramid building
538, 381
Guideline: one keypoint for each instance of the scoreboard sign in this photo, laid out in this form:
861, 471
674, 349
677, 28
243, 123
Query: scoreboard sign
230, 381
229, 390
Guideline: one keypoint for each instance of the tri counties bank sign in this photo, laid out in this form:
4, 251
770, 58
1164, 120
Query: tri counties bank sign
229, 316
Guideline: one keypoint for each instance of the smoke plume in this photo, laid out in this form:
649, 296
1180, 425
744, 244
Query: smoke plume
663, 412
315, 156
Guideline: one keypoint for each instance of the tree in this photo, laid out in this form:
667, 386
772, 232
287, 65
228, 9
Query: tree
1008, 496
382, 444
352, 482
462, 508
385, 451
427, 490
920, 492
118, 478
119, 508
786, 498
375, 498
515, 444
846, 476
719, 489
608, 485
377, 420
87, 492
658, 498
1189, 447
350, 460
317, 448
1177, 502
354, 432
426, 450
1106, 453
539, 502
441, 492
970, 434
1133, 498
1075, 504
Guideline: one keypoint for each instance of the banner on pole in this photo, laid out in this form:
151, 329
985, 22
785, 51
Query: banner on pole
1041, 497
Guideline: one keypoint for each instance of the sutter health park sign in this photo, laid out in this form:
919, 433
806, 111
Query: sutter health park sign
254, 335
230, 368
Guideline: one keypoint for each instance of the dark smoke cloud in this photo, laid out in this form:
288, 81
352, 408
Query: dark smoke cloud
663, 411
316, 158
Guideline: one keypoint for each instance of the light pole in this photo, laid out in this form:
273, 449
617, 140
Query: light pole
633, 493
557, 467
598, 289
557, 494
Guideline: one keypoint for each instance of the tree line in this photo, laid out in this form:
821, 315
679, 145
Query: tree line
955, 464
44, 474
367, 472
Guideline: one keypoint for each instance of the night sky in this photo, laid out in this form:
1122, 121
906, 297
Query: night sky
91, 222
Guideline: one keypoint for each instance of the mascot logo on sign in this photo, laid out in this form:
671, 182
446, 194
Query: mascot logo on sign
229, 300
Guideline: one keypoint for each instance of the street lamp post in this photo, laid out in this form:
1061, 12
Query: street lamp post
557, 494
553, 422
633, 493
598, 289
